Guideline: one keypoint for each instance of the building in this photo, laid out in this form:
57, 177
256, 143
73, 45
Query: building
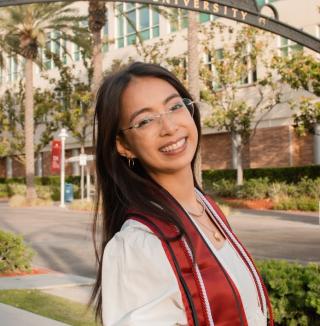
275, 142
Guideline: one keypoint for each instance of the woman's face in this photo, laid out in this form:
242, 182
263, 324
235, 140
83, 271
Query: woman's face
164, 145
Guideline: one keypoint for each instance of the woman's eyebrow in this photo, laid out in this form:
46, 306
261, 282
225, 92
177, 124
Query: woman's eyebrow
165, 101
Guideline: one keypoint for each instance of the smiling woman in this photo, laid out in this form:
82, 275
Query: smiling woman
168, 255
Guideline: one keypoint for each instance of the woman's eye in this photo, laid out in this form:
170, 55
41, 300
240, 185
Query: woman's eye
177, 107
144, 122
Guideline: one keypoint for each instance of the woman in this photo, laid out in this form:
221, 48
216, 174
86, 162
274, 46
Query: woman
168, 255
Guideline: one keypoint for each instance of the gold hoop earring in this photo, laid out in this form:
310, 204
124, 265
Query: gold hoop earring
131, 162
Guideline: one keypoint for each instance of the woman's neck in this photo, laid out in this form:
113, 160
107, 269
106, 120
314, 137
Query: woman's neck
180, 186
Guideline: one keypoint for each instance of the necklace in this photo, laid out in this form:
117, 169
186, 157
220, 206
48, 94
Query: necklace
215, 233
202, 210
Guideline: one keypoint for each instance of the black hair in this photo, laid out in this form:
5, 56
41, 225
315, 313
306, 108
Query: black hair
119, 187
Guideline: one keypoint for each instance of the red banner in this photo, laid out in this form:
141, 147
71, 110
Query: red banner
55, 156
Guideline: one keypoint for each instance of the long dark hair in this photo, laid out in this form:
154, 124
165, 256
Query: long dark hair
118, 186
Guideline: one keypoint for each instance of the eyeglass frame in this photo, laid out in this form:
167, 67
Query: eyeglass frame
159, 115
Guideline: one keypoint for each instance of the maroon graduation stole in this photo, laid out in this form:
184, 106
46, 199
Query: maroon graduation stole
209, 295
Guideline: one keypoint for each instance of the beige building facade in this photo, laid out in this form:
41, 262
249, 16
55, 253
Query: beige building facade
275, 142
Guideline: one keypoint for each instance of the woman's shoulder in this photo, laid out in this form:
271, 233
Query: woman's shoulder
133, 235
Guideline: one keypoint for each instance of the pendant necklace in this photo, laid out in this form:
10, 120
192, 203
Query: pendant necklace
215, 233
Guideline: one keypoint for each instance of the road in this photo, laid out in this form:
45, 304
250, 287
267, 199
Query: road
62, 238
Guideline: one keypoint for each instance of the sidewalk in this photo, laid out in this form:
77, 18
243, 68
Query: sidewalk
73, 287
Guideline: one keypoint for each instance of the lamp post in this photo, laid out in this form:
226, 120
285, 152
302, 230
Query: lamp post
63, 135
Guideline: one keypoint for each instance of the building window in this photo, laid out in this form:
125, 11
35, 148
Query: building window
105, 35
132, 18
250, 76
209, 62
178, 19
264, 2
76, 48
13, 68
56, 45
288, 47
203, 17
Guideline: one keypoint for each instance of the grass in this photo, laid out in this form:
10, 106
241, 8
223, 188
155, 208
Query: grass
50, 306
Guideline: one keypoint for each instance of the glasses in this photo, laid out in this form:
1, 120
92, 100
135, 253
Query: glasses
182, 109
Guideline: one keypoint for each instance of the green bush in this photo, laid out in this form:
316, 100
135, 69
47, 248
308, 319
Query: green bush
302, 203
224, 188
279, 190
44, 192
309, 187
294, 291
16, 189
46, 187
254, 189
286, 174
14, 253
3, 190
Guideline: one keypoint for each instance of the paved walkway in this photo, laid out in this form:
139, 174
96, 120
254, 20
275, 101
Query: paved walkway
11, 316
62, 241
72, 287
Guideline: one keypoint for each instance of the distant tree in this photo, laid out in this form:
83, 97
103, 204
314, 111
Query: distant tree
23, 33
302, 71
97, 19
12, 120
224, 77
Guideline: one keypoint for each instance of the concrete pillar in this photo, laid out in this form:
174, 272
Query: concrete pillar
75, 165
39, 168
9, 167
316, 144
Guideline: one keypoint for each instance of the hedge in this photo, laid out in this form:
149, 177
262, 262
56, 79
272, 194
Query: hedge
294, 291
46, 187
286, 174
15, 254
44, 181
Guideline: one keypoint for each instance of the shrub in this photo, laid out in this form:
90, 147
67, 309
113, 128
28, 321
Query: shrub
254, 189
21, 201
309, 187
280, 190
224, 188
17, 189
81, 205
3, 190
44, 192
294, 291
286, 174
14, 253
302, 203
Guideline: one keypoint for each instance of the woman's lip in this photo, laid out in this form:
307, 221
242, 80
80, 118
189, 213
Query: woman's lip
177, 150
171, 143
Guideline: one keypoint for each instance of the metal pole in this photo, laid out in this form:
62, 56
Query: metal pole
88, 182
63, 135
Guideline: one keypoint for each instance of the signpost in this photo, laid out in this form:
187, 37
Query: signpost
83, 160
63, 135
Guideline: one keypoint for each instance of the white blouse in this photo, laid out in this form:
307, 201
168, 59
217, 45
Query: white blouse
139, 287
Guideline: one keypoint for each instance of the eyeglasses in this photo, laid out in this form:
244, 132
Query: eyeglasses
182, 108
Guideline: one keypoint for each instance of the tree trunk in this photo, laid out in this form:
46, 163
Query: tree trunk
97, 61
316, 144
29, 130
82, 175
193, 74
237, 160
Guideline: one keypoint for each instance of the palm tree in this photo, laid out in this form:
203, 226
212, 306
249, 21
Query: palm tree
24, 30
97, 19
193, 70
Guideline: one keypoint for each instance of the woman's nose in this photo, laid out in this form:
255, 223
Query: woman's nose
167, 124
